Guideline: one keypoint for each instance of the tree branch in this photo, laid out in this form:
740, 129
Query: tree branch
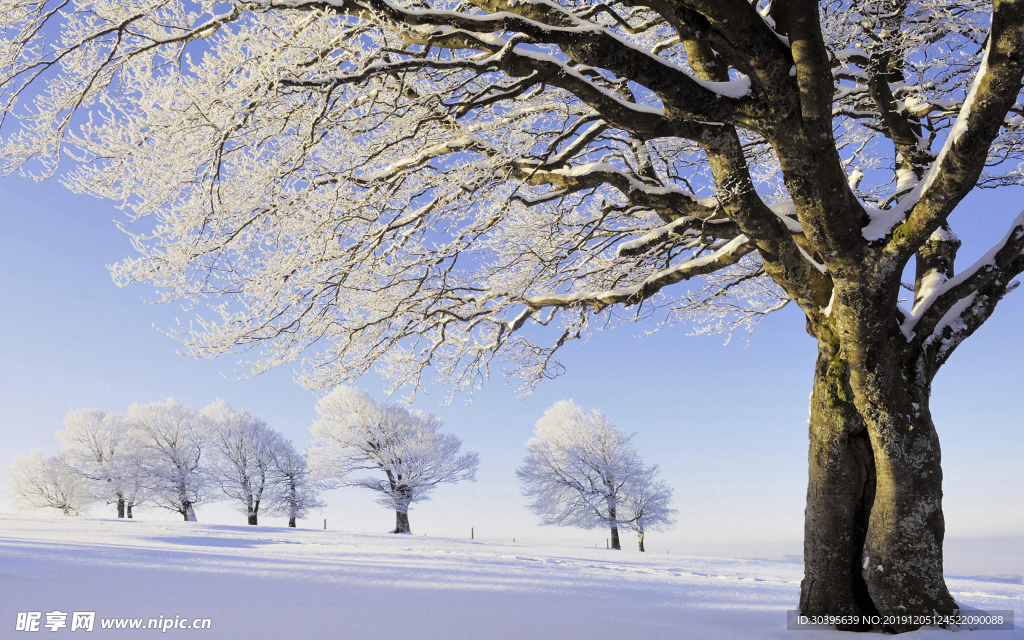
962, 159
728, 254
990, 276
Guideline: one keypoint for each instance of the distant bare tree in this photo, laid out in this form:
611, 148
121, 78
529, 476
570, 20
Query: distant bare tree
244, 450
296, 493
577, 469
38, 481
103, 448
355, 433
173, 439
646, 505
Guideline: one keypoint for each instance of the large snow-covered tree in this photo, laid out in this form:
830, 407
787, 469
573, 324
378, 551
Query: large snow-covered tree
244, 451
103, 449
353, 433
174, 438
578, 469
296, 493
39, 481
431, 183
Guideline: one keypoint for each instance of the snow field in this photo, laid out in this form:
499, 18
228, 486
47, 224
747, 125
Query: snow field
276, 583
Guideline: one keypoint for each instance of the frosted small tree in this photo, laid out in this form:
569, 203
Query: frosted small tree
355, 433
102, 448
577, 469
173, 439
646, 504
296, 492
38, 481
244, 450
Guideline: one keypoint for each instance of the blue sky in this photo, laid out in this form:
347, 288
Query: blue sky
727, 423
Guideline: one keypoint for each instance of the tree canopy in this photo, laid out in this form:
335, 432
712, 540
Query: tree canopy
411, 183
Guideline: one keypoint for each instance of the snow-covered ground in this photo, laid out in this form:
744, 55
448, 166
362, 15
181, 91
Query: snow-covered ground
270, 582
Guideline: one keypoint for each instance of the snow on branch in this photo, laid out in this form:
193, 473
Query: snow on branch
729, 253
942, 303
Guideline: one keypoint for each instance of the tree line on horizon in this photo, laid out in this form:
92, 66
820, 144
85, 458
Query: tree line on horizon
579, 471
167, 455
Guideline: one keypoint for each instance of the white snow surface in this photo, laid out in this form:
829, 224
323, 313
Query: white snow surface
274, 582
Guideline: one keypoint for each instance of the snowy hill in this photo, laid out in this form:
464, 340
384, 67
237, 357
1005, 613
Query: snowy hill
257, 583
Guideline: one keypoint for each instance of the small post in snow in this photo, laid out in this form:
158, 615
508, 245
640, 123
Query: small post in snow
325, 524
606, 545
471, 535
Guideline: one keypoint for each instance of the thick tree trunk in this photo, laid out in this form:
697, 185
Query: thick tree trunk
128, 507
615, 538
291, 522
188, 512
253, 518
903, 549
120, 506
840, 491
873, 524
640, 540
401, 523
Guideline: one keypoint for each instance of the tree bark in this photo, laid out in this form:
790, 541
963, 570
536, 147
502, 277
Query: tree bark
401, 522
873, 526
640, 540
253, 518
903, 549
840, 492
120, 506
128, 508
188, 512
612, 515
291, 522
